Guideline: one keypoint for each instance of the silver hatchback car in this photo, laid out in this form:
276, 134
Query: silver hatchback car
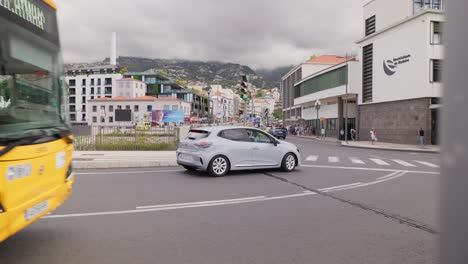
219, 150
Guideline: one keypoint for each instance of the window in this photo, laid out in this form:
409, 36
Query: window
83, 108
111, 119
72, 82
83, 90
92, 90
258, 137
99, 81
83, 117
127, 107
72, 108
72, 91
92, 82
419, 5
108, 90
103, 108
166, 107
94, 108
436, 32
83, 82
235, 134
94, 119
111, 108
370, 25
108, 81
175, 108
72, 100
136, 108
119, 107
436, 70
92, 97
329, 80
367, 72
103, 119
99, 90
149, 108
73, 117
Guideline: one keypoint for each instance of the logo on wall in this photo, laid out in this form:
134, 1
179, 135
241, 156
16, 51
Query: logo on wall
390, 66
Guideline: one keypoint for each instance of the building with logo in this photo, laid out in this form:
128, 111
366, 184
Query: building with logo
89, 83
401, 56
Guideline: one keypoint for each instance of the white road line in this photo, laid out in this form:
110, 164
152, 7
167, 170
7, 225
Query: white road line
380, 162
204, 202
176, 207
428, 164
357, 161
339, 187
388, 176
124, 172
404, 163
312, 158
367, 169
333, 159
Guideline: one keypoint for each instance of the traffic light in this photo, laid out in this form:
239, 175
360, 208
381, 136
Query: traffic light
244, 93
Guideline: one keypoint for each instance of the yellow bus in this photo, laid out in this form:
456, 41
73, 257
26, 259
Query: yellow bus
36, 144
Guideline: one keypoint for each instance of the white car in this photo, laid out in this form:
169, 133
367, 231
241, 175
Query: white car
219, 150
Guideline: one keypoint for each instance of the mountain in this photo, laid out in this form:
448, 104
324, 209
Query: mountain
210, 72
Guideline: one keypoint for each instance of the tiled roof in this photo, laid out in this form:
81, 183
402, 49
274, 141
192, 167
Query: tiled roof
328, 59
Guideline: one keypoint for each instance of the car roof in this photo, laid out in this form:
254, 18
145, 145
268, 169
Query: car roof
220, 128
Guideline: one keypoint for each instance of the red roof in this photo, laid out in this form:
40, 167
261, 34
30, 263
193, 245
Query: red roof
329, 59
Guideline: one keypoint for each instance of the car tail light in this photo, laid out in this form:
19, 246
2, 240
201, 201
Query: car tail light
203, 144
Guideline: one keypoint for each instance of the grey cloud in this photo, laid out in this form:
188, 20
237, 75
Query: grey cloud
259, 33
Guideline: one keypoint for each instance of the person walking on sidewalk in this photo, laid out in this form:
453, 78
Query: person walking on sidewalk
322, 133
353, 134
342, 136
373, 136
421, 136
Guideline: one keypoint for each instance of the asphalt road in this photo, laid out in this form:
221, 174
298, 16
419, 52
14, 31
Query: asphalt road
344, 205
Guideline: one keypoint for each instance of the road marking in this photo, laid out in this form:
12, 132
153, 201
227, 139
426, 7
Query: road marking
400, 174
124, 172
312, 158
333, 159
380, 162
357, 161
388, 176
428, 164
204, 202
404, 163
339, 187
367, 169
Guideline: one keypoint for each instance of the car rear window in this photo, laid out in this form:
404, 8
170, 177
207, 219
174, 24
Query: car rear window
197, 134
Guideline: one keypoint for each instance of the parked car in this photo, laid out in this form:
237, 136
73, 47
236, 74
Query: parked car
279, 132
219, 150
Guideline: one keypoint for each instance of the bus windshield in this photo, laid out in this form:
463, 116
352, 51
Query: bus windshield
30, 86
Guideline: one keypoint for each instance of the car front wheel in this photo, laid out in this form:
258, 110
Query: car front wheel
219, 166
289, 162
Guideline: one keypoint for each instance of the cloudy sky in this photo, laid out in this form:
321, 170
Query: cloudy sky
258, 33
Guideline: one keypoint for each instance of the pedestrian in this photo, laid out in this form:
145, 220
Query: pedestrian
322, 133
373, 136
421, 136
353, 134
342, 137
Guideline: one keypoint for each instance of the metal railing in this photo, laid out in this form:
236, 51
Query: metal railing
127, 138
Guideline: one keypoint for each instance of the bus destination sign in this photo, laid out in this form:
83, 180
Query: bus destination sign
26, 10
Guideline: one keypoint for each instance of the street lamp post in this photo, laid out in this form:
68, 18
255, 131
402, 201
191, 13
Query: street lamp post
317, 107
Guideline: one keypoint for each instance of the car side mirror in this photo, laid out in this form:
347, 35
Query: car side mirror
275, 142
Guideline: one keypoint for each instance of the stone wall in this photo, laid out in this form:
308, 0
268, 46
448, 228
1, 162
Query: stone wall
396, 121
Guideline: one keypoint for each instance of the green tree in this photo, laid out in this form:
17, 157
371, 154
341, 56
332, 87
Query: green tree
278, 113
181, 82
123, 70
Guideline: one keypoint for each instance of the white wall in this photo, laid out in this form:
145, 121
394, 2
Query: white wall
387, 12
309, 68
412, 79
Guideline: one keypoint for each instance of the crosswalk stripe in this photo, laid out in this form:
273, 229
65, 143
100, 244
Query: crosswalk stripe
333, 159
357, 161
427, 164
404, 163
380, 162
312, 158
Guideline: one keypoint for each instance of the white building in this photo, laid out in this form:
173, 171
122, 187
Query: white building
131, 88
88, 83
401, 54
101, 111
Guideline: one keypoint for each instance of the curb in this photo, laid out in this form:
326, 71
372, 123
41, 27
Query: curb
391, 149
120, 164
318, 140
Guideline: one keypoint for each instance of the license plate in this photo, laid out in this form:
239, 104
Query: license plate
185, 157
36, 210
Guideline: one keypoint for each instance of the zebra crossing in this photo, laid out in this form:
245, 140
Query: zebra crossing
372, 161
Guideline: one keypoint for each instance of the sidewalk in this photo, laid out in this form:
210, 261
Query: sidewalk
326, 140
123, 159
392, 146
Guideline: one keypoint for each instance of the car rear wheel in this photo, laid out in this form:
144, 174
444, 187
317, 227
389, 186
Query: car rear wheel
289, 162
219, 166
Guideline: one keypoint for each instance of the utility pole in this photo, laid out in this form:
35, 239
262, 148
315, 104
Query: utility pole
346, 101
